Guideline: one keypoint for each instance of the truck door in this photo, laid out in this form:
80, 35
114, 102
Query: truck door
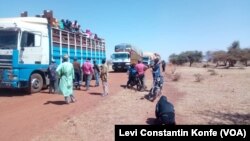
31, 49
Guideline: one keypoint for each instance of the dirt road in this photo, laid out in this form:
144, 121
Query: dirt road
24, 117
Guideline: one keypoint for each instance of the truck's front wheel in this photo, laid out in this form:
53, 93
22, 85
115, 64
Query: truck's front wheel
36, 83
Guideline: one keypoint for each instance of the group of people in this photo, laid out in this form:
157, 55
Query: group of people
67, 73
140, 68
73, 27
66, 25
164, 110
89, 70
70, 73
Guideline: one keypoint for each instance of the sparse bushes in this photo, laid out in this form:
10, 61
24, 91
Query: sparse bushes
198, 77
173, 70
205, 65
241, 68
212, 72
175, 76
185, 57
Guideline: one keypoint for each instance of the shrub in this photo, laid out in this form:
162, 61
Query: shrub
173, 70
198, 77
212, 72
241, 68
176, 76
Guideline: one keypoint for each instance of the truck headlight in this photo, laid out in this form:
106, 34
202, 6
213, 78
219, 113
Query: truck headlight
9, 71
12, 77
15, 78
127, 63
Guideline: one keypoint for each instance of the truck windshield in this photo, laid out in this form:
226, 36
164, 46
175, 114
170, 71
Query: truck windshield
145, 59
8, 39
120, 56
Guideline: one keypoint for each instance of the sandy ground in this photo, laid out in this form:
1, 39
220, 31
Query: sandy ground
218, 99
98, 124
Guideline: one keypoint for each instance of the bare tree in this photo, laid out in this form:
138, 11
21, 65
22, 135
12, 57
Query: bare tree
219, 56
234, 53
245, 56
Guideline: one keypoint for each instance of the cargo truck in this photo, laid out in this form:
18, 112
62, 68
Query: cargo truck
125, 54
28, 44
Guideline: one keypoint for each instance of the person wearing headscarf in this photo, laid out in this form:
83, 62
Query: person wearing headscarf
66, 74
164, 112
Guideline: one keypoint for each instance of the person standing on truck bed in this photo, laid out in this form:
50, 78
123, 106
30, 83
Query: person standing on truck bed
87, 70
53, 80
65, 72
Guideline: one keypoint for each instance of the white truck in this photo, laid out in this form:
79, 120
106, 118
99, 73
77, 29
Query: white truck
125, 55
148, 58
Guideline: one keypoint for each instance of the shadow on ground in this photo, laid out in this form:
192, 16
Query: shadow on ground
117, 71
151, 121
226, 118
55, 102
123, 86
93, 93
12, 92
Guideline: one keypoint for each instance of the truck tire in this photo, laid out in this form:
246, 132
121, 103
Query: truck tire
36, 83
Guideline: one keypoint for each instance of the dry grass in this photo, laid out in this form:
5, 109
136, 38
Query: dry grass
221, 99
212, 72
198, 77
175, 76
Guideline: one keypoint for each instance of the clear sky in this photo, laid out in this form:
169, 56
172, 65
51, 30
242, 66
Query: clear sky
162, 26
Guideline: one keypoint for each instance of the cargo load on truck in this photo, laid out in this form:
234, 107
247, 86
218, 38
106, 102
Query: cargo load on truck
149, 57
28, 44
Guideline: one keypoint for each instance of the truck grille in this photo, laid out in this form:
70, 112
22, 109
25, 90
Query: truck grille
5, 61
1, 75
119, 64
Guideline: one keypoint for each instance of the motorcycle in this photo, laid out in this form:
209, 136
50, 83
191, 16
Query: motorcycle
135, 82
155, 91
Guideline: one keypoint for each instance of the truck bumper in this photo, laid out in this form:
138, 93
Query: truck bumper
9, 79
120, 67
9, 85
